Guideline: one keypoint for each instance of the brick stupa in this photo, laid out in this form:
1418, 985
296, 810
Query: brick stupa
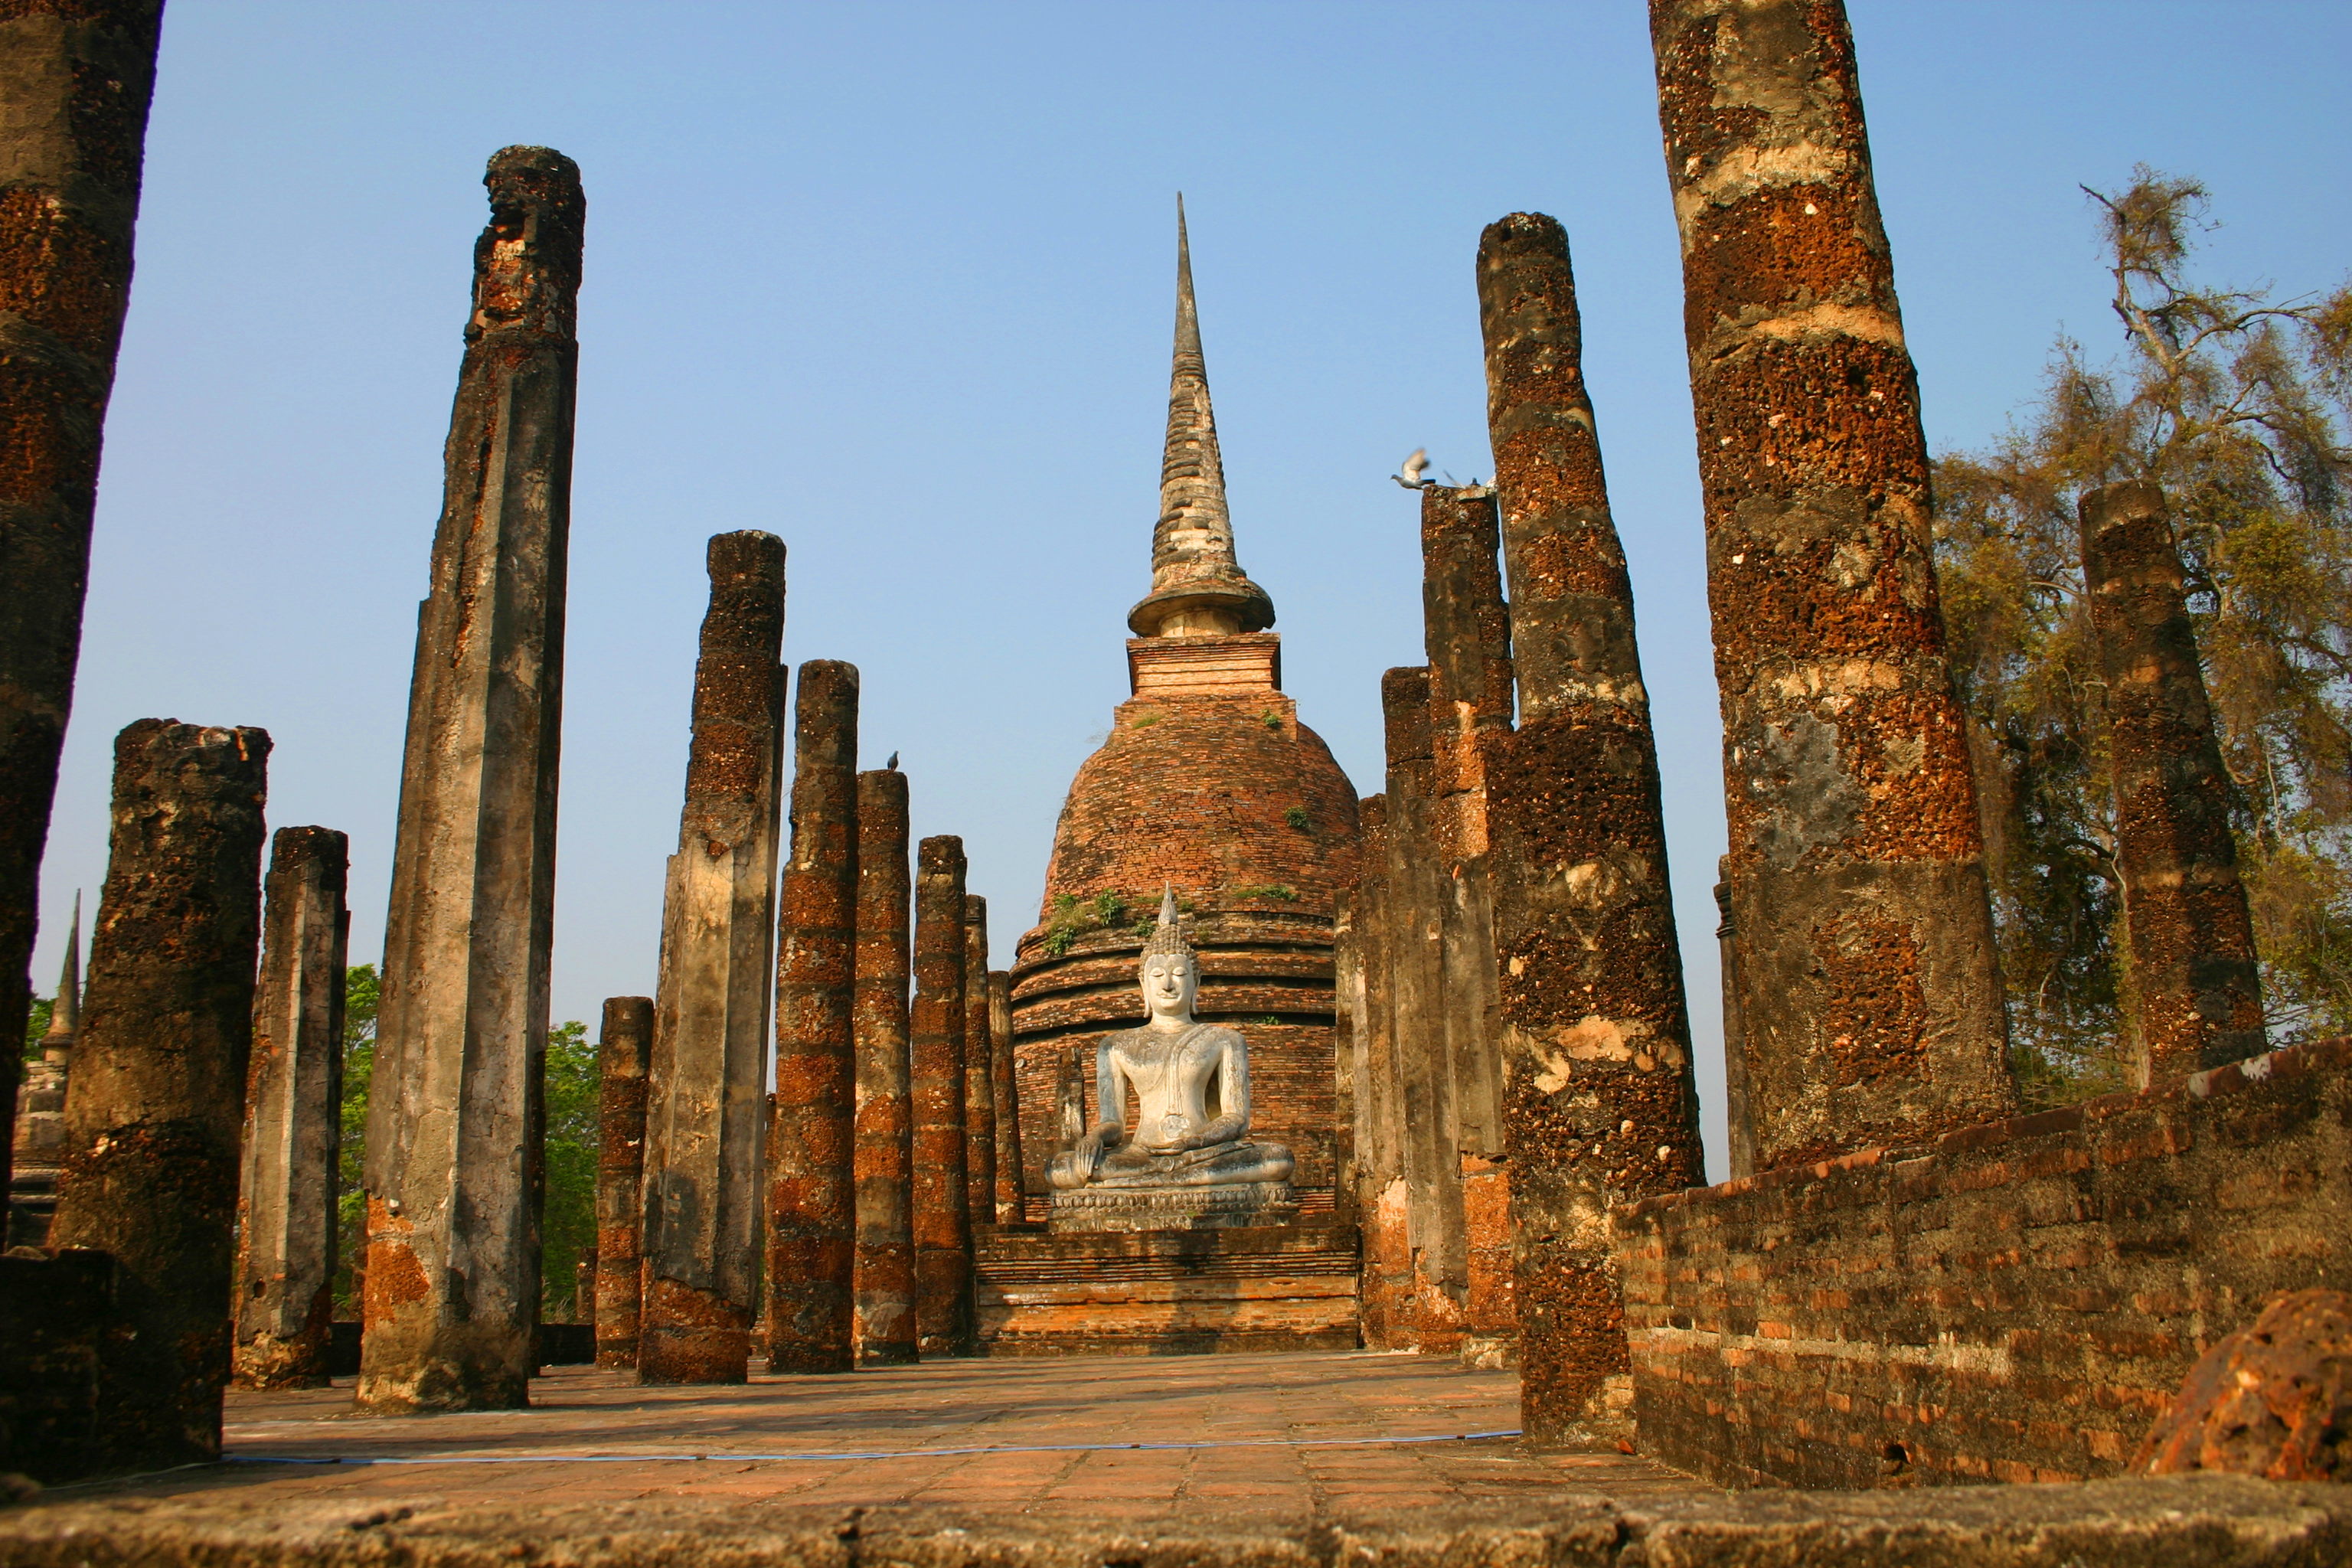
1208, 780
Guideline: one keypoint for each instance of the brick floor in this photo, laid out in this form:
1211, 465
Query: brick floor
1057, 1436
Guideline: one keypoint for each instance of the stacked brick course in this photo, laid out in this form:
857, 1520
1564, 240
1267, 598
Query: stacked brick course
2016, 1302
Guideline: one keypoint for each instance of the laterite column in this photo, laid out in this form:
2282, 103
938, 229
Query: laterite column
293, 1118
1602, 1106
156, 1102
884, 1271
706, 1112
1011, 1204
980, 1069
936, 1025
76, 77
811, 1162
2196, 993
1871, 998
623, 1057
456, 1111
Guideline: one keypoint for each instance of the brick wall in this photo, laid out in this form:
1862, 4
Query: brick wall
2014, 1302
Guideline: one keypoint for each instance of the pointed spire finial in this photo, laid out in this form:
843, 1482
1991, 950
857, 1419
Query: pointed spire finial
65, 1013
1197, 586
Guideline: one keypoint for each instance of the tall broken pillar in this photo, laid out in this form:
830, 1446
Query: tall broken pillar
1466, 634
884, 1266
455, 1106
1871, 1006
1602, 1106
1363, 982
156, 1102
980, 1069
2196, 992
812, 1153
624, 1047
1419, 893
705, 1107
936, 1029
76, 77
1012, 1202
293, 1118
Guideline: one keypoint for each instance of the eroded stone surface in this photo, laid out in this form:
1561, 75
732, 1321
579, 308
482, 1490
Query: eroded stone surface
2273, 1400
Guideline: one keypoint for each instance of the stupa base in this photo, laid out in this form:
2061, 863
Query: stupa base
1232, 1206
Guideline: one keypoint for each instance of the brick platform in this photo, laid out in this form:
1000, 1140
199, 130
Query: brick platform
1286, 1288
2014, 1302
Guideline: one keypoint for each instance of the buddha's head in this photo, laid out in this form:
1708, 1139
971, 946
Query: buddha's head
1172, 972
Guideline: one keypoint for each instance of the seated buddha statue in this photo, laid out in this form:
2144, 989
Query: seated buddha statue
1191, 1088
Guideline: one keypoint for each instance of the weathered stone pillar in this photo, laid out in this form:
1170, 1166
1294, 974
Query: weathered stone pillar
980, 1069
75, 79
2196, 993
1012, 1202
942, 1218
156, 1102
624, 1047
293, 1118
812, 1156
1739, 1125
1871, 993
1420, 894
1386, 1290
1466, 632
884, 1271
456, 1110
706, 1111
1602, 1105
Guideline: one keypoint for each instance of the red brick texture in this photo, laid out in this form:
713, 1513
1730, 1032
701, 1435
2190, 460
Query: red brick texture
2016, 1302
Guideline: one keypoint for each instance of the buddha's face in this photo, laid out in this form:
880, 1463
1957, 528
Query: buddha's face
1170, 981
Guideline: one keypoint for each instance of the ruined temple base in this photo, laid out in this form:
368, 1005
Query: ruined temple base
1233, 1207
1167, 1292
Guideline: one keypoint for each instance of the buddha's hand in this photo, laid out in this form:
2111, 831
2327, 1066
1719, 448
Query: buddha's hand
1087, 1157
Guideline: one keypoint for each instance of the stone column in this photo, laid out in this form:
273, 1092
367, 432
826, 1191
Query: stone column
812, 1158
1602, 1105
456, 1109
884, 1271
1381, 1209
623, 1058
936, 1025
1420, 895
1467, 633
706, 1113
75, 79
293, 1118
156, 1101
1739, 1125
980, 1069
1012, 1198
2196, 993
1871, 993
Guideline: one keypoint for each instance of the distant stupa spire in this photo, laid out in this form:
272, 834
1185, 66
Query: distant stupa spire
65, 1013
1198, 589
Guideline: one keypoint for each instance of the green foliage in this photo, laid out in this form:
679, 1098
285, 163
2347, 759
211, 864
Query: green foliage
1280, 894
362, 994
2238, 407
37, 1024
1072, 919
568, 1222
1296, 817
1270, 719
1142, 721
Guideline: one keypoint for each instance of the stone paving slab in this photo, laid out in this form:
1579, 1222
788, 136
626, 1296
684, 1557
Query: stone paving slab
1285, 1436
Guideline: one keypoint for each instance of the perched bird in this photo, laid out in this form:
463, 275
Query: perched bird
892, 765
1410, 477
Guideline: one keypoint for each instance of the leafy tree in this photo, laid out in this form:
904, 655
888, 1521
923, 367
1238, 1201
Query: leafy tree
2240, 407
362, 994
568, 1224
37, 1024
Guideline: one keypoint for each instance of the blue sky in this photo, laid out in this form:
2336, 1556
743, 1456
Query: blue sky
894, 281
